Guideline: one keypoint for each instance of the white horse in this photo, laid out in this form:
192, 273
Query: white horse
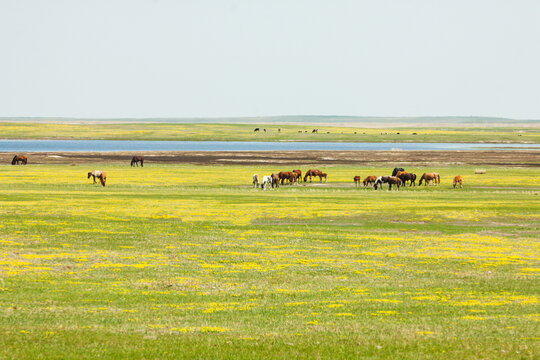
267, 181
255, 180
95, 174
378, 182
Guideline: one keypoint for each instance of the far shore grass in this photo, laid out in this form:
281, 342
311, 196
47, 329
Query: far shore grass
267, 132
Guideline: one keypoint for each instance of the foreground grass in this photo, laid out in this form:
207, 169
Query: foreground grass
244, 132
185, 261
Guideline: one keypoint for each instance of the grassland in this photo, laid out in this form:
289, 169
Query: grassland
244, 132
185, 261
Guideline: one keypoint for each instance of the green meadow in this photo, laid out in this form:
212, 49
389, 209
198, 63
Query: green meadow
186, 261
274, 132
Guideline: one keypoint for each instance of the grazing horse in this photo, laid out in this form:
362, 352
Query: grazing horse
136, 160
407, 177
267, 181
370, 180
314, 172
458, 180
255, 180
286, 175
427, 177
256, 129
357, 180
275, 180
298, 173
102, 178
95, 174
399, 173
394, 173
19, 160
390, 180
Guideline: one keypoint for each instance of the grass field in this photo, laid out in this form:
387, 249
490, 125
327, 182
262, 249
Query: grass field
244, 132
185, 261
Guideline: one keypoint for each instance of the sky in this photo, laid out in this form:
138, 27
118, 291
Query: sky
234, 58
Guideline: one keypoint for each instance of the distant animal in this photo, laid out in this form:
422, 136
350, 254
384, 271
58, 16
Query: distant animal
103, 178
255, 180
399, 173
370, 180
394, 173
314, 172
275, 180
428, 177
19, 160
264, 130
95, 174
136, 160
458, 180
256, 129
267, 181
279, 130
357, 180
298, 173
407, 177
315, 130
390, 180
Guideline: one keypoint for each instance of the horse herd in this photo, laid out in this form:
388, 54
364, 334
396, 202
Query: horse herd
398, 178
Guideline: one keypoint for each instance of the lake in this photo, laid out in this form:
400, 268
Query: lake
128, 145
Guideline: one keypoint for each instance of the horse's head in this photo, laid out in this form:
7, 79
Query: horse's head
89, 174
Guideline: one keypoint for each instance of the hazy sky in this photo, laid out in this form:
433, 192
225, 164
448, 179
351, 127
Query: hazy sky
199, 58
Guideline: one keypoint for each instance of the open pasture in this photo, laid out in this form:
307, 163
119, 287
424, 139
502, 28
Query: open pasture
274, 132
190, 261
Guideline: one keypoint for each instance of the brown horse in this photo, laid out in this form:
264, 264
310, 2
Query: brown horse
136, 160
370, 180
314, 172
407, 177
458, 180
399, 173
298, 173
102, 178
427, 177
390, 180
286, 175
357, 180
275, 180
19, 160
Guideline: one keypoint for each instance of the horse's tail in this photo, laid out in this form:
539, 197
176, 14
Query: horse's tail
438, 178
142, 161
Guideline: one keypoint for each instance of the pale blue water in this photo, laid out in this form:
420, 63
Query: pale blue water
128, 145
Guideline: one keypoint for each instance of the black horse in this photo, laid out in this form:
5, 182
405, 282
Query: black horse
394, 173
408, 177
136, 160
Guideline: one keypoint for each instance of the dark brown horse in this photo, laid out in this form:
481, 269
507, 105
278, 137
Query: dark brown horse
19, 160
275, 180
298, 173
370, 180
136, 160
357, 180
427, 177
390, 180
396, 170
314, 172
458, 180
407, 177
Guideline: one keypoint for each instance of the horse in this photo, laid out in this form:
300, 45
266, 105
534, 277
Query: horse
404, 177
255, 180
298, 173
399, 173
102, 178
19, 160
394, 173
314, 172
357, 180
256, 129
267, 181
390, 180
370, 180
323, 175
275, 180
286, 175
458, 180
136, 159
430, 177
95, 174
